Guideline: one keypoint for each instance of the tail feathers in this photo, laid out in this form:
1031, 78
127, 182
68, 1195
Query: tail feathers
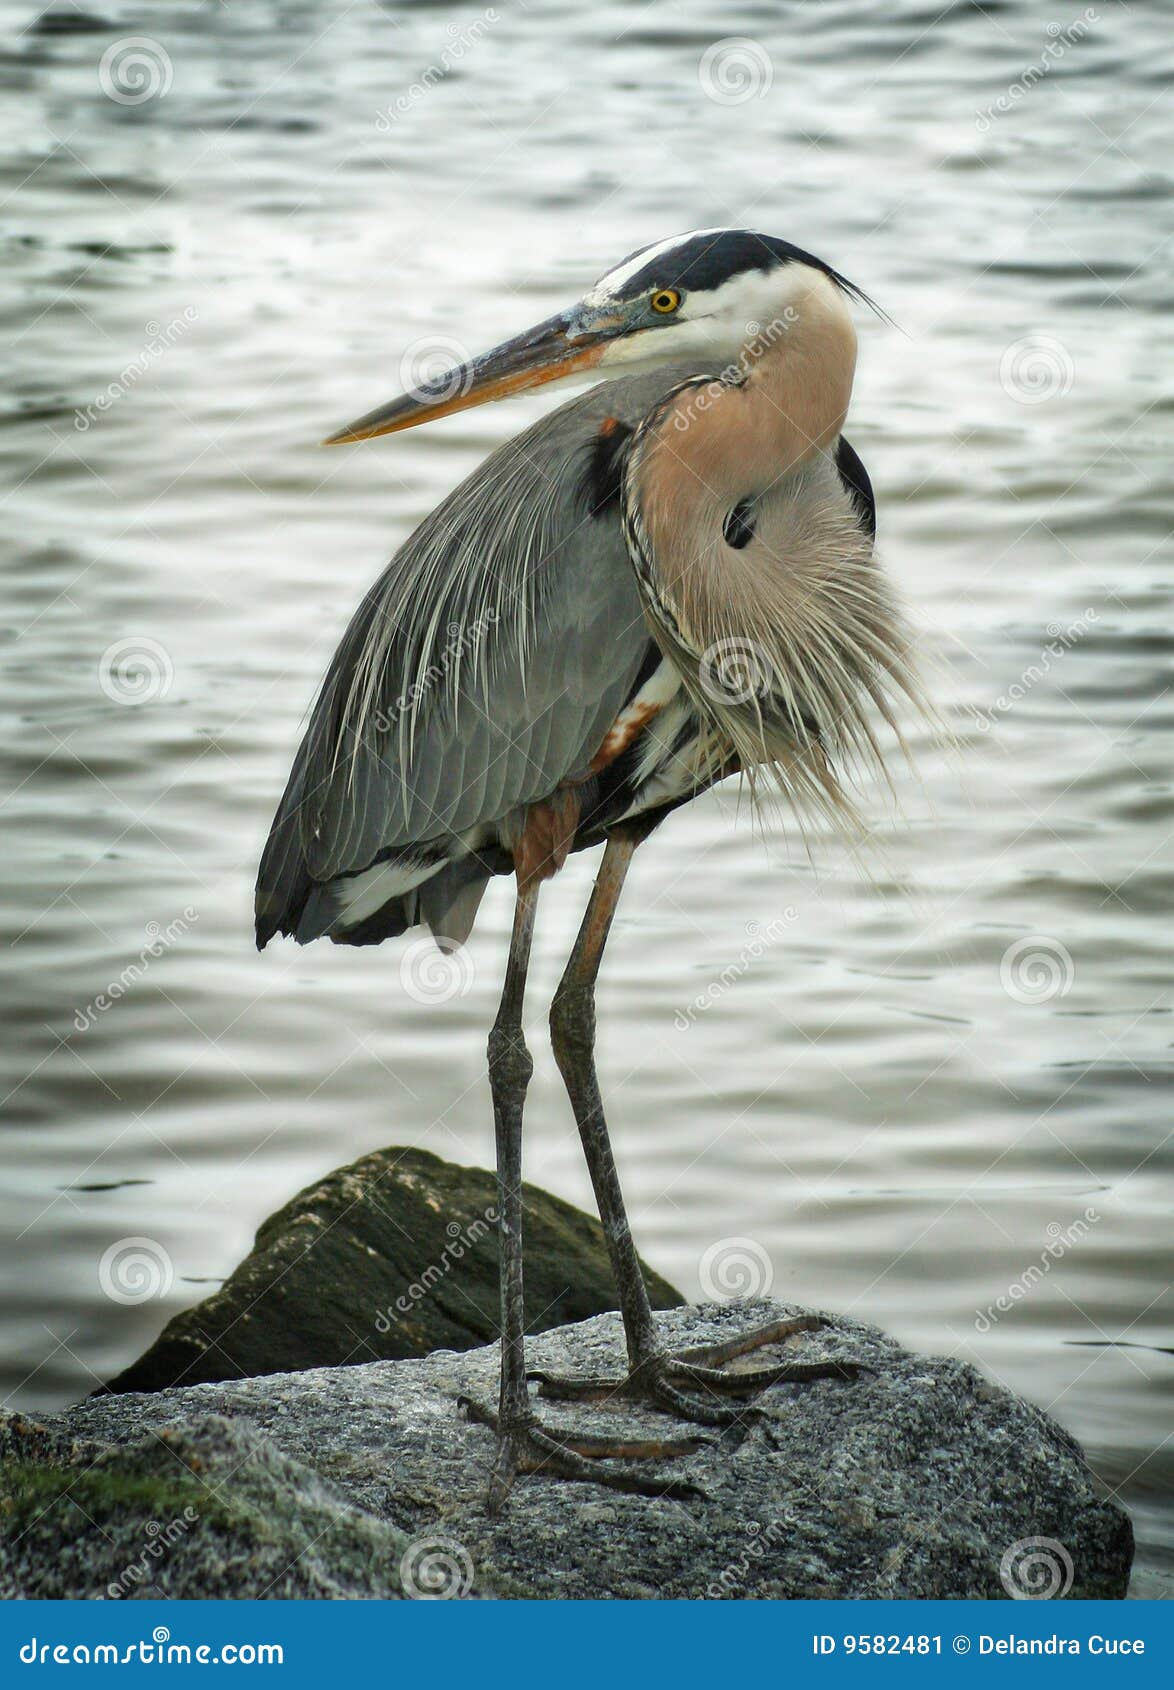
450, 912
396, 916
290, 902
446, 904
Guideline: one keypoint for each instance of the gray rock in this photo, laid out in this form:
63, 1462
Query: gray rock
919, 1479
205, 1508
393, 1256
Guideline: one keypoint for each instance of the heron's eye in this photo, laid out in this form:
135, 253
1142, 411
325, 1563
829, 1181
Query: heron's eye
665, 300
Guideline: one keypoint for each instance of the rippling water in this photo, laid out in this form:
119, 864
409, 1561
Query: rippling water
933, 1097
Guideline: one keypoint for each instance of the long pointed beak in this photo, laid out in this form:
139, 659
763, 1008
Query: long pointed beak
547, 352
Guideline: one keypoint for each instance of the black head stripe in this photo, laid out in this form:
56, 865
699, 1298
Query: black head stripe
706, 261
703, 262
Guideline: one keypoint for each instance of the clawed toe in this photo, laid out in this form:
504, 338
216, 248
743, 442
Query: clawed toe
705, 1368
702, 1371
661, 1393
749, 1381
775, 1332
696, 1385
650, 1388
557, 1387
533, 1448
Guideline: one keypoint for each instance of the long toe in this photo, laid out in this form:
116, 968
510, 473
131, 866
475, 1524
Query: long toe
749, 1381
556, 1387
666, 1397
545, 1454
582, 1457
776, 1332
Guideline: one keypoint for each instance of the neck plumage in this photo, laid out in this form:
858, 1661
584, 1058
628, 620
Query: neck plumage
751, 556
718, 447
733, 440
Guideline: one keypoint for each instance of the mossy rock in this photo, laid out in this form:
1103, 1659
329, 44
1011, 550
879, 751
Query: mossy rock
203, 1509
393, 1256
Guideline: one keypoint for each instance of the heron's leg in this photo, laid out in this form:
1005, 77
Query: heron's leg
572, 1030
653, 1375
510, 1068
524, 1446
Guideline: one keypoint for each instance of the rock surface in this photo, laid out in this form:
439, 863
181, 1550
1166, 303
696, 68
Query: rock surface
918, 1479
393, 1256
205, 1508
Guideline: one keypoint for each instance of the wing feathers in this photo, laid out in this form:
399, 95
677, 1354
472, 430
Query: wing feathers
480, 670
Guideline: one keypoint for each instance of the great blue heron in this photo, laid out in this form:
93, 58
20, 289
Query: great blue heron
666, 581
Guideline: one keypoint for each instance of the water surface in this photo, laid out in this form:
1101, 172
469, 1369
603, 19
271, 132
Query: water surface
934, 1095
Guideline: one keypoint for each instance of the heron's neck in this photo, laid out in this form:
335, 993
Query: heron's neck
717, 446
735, 440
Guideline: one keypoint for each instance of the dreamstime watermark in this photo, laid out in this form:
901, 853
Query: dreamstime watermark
436, 1569
1061, 1239
159, 1540
435, 368
758, 339
436, 970
462, 640
135, 670
1037, 969
733, 1576
159, 939
1036, 1569
735, 70
736, 669
462, 37
756, 946
1061, 38
1061, 639
159, 341
135, 70
159, 1651
461, 1240
1036, 368
135, 1270
735, 1268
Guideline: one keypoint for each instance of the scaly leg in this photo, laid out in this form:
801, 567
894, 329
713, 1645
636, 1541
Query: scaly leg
572, 1033
654, 1376
524, 1446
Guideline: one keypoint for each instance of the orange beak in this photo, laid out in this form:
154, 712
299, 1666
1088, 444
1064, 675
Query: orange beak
549, 352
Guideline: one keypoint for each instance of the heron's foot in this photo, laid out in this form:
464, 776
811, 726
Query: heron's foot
691, 1385
530, 1447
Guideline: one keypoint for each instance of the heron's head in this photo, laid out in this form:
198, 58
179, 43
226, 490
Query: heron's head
708, 298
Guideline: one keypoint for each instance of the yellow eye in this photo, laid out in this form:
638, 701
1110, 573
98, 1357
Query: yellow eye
665, 300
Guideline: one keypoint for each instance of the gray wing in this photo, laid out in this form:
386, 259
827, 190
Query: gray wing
481, 670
